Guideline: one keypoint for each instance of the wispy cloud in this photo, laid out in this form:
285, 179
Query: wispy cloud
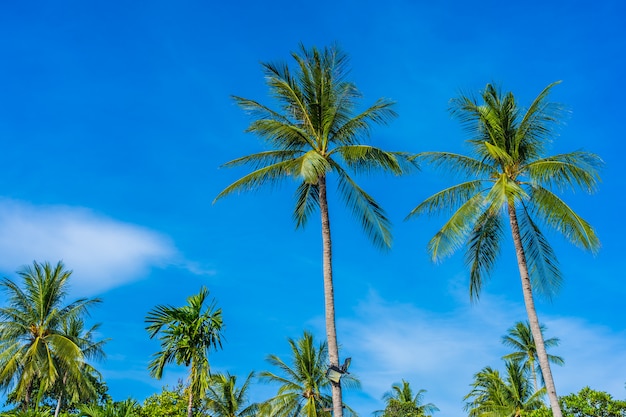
441, 352
102, 252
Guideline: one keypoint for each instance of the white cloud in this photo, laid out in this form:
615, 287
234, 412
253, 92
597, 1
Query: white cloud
102, 252
441, 352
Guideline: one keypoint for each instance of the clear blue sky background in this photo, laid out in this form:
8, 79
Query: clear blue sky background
114, 119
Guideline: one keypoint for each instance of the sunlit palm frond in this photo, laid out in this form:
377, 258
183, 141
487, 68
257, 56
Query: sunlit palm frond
573, 170
272, 174
366, 159
449, 199
454, 233
558, 215
358, 127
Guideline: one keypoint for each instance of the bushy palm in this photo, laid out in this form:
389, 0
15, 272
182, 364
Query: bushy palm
511, 178
520, 338
316, 133
225, 399
513, 396
126, 408
187, 334
80, 387
34, 351
401, 397
304, 387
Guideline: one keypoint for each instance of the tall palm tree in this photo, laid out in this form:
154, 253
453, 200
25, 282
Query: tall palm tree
401, 396
80, 387
512, 396
316, 132
225, 399
520, 338
303, 390
33, 347
187, 335
512, 179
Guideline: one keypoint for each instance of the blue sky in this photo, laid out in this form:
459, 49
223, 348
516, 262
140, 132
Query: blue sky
115, 117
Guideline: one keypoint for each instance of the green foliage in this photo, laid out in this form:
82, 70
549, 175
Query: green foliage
187, 334
520, 338
226, 399
590, 403
397, 408
303, 387
318, 131
508, 169
44, 412
36, 350
167, 403
126, 408
401, 402
508, 396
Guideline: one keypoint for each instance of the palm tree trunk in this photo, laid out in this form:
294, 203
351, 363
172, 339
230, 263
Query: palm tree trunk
58, 407
532, 313
190, 404
27, 396
329, 297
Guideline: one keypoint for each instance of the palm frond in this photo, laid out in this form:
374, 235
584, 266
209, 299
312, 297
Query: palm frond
572, 170
371, 215
272, 174
365, 159
449, 199
483, 248
307, 201
456, 164
542, 262
563, 219
263, 159
456, 230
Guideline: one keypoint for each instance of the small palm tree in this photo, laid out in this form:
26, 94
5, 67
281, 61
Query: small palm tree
304, 387
316, 133
520, 338
33, 347
126, 408
80, 387
225, 399
401, 398
187, 335
512, 396
511, 179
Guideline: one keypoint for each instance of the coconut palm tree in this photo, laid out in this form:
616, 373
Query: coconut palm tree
225, 399
80, 387
511, 178
304, 388
512, 396
187, 335
34, 351
315, 133
520, 338
401, 397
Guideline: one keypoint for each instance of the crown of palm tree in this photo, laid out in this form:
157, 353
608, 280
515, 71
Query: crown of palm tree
33, 346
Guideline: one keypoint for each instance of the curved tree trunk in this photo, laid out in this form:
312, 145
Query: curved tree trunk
532, 313
329, 297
